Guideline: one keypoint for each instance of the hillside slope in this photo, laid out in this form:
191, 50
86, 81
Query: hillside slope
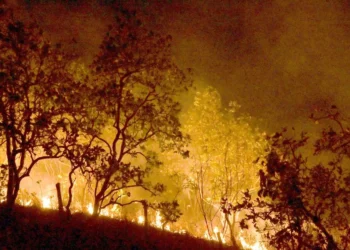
33, 228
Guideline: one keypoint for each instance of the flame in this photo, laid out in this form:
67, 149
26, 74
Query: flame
46, 202
218, 236
3, 194
25, 203
141, 219
90, 208
105, 212
158, 222
81, 202
115, 211
256, 246
109, 212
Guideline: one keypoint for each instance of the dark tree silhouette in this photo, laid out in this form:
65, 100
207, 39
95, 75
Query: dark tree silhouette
170, 212
37, 95
302, 205
136, 86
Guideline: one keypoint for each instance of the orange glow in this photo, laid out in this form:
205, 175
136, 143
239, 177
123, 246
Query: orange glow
256, 246
114, 211
141, 219
90, 208
217, 236
26, 203
46, 202
158, 222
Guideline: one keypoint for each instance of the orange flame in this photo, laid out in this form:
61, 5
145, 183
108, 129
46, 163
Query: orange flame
46, 202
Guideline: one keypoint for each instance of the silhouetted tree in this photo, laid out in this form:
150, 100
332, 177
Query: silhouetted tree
37, 95
136, 86
169, 211
302, 205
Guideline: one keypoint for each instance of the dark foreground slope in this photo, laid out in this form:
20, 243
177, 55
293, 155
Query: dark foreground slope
32, 228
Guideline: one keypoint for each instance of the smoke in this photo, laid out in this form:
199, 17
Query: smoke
78, 25
278, 59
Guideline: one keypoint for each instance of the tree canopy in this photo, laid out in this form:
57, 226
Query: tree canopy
303, 203
101, 118
223, 147
136, 84
37, 92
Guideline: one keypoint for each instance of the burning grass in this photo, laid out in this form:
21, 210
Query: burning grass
34, 228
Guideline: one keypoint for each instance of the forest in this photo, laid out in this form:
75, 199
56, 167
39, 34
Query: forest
113, 139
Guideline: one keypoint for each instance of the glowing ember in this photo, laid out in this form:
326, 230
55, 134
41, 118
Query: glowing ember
46, 202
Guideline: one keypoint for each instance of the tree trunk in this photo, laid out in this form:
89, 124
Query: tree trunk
10, 201
12, 188
59, 197
99, 195
331, 244
218, 235
70, 191
231, 228
96, 209
84, 197
145, 212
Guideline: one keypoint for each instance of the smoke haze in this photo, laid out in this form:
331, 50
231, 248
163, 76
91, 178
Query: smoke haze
278, 59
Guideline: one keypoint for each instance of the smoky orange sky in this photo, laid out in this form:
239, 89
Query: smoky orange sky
278, 59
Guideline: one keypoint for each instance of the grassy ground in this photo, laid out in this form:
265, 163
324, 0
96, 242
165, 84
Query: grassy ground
32, 228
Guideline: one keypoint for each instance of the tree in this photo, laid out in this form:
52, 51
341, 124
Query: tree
223, 147
136, 85
303, 205
170, 212
37, 95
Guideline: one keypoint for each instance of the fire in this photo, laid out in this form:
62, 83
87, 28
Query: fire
256, 246
105, 212
26, 203
46, 202
109, 212
218, 236
141, 219
158, 223
114, 211
90, 208
3, 195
